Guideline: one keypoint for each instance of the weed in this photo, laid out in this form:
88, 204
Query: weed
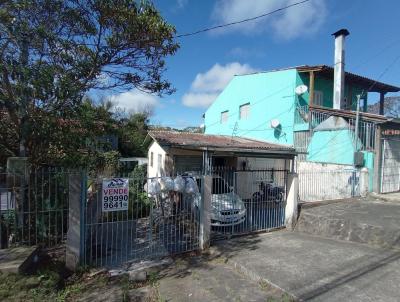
264, 285
68, 291
153, 278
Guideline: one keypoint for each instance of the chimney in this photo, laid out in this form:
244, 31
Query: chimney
338, 79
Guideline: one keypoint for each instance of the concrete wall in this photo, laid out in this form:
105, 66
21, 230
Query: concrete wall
369, 159
271, 96
322, 181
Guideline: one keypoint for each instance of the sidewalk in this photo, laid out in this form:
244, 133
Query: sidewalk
209, 278
315, 268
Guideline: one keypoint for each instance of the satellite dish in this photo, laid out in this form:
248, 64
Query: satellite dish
301, 89
275, 123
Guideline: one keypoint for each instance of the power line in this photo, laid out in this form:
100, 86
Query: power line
253, 103
377, 54
380, 76
240, 21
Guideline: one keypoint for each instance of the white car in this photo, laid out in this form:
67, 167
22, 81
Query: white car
227, 209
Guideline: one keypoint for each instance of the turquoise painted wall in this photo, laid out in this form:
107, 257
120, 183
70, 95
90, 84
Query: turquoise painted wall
326, 86
334, 146
271, 96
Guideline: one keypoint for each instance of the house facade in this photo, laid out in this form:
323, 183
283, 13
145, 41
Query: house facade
265, 106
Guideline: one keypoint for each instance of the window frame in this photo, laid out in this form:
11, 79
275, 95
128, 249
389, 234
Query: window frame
247, 106
320, 93
223, 113
159, 160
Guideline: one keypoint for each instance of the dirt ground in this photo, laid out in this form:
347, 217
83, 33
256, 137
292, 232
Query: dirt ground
50, 281
191, 277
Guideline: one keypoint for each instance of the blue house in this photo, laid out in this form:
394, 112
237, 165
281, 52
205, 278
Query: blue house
312, 108
265, 106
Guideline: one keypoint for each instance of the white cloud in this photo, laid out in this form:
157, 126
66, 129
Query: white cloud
207, 86
181, 3
303, 19
196, 99
246, 53
134, 101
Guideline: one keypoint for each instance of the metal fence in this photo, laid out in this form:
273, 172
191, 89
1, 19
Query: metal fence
328, 185
301, 115
247, 201
159, 220
34, 207
154, 217
366, 130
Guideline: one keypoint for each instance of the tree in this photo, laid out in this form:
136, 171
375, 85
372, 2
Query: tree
391, 107
132, 134
52, 52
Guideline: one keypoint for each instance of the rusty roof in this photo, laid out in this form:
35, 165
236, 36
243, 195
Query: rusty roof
372, 117
201, 141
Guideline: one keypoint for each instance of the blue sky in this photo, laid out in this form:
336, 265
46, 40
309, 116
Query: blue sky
301, 35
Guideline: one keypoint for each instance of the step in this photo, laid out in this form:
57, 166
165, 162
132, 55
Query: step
371, 222
17, 259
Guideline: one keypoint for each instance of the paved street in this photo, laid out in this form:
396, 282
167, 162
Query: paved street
315, 268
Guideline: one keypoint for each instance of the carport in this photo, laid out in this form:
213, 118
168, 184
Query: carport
248, 178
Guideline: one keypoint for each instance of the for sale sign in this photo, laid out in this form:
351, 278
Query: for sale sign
115, 194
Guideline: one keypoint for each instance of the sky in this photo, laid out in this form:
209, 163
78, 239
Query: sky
300, 35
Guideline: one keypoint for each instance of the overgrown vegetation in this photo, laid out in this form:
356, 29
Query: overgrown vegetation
51, 282
52, 53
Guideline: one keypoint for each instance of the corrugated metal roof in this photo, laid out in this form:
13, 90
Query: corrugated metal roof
352, 114
370, 84
206, 141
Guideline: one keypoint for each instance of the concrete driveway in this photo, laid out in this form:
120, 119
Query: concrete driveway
342, 251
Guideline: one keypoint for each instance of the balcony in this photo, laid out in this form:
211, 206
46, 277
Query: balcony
308, 119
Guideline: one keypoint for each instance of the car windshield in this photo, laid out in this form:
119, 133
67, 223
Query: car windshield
220, 186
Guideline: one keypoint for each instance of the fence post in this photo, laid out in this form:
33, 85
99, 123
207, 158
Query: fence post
74, 249
364, 182
205, 208
292, 200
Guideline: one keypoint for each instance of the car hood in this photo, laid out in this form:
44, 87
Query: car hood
228, 201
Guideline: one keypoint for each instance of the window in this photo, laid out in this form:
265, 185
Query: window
151, 159
318, 98
224, 117
244, 111
159, 161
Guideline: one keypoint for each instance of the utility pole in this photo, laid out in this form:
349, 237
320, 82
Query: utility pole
357, 120
353, 187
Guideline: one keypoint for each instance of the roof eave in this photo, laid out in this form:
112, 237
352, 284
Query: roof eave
370, 84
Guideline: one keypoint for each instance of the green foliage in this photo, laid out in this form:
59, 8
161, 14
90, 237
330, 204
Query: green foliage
53, 52
132, 134
104, 162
